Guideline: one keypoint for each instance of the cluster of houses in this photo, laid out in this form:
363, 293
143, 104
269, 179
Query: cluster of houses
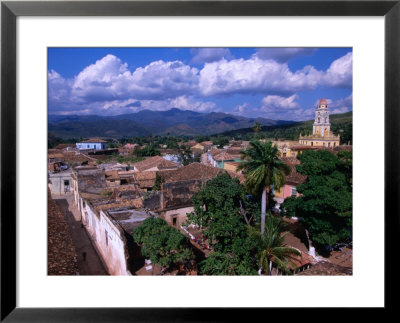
114, 198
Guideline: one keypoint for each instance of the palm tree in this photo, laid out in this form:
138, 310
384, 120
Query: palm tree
263, 169
273, 250
257, 127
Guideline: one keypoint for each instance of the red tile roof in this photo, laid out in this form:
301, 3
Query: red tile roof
195, 171
156, 161
225, 156
295, 177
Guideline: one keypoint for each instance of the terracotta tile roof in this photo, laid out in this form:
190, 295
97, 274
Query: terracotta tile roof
56, 155
91, 196
72, 157
215, 152
135, 203
295, 177
325, 268
156, 161
323, 101
112, 175
145, 179
190, 143
207, 143
344, 147
225, 156
300, 261
234, 150
125, 188
61, 254
195, 171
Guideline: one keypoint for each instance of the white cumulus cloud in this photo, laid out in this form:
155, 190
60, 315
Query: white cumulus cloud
206, 55
254, 76
283, 54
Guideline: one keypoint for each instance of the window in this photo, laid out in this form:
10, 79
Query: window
294, 191
106, 237
66, 182
174, 221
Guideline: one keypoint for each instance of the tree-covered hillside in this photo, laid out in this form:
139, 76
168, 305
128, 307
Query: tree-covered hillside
341, 124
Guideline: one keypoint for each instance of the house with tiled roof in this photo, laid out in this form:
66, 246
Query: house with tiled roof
180, 185
145, 180
207, 145
227, 155
155, 163
110, 223
291, 181
94, 143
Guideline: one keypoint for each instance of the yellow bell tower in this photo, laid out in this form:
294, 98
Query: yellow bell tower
322, 126
321, 135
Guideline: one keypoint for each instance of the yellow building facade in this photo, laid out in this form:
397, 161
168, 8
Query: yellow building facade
322, 135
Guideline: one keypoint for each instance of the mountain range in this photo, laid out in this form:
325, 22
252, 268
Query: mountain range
146, 122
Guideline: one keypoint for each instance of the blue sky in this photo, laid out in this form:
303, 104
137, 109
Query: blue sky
275, 83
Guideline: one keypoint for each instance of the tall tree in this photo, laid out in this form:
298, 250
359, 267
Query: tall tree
222, 211
325, 203
263, 169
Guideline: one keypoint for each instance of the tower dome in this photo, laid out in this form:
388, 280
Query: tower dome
322, 104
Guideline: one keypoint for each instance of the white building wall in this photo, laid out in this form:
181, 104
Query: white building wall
91, 145
108, 239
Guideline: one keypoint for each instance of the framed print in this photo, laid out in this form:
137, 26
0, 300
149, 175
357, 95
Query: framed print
63, 62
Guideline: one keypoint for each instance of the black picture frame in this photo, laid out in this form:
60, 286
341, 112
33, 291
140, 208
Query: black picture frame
10, 10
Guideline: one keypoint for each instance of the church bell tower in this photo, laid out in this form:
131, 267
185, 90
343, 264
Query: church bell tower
322, 126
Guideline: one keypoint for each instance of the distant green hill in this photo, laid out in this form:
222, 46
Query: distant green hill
341, 124
171, 122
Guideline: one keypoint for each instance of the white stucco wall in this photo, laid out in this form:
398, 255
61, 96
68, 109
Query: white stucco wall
108, 239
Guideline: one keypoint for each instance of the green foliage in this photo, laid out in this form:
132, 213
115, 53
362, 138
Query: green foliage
262, 167
162, 244
273, 249
158, 182
341, 124
53, 140
325, 204
185, 155
218, 213
202, 138
257, 127
221, 141
112, 144
106, 193
148, 151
